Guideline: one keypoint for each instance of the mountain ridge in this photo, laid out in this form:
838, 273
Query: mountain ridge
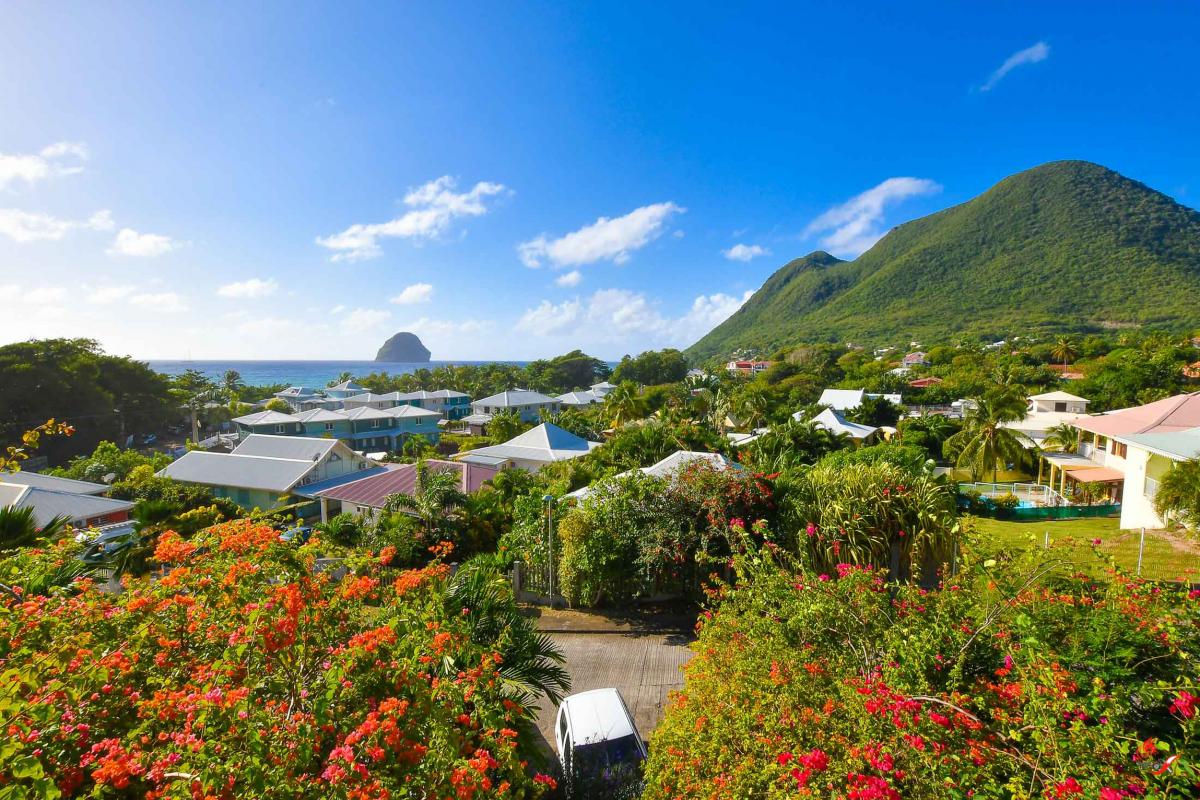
1067, 246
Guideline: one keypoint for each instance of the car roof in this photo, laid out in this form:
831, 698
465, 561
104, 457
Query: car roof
598, 716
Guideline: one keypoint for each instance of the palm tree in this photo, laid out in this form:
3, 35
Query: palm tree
342, 378
624, 403
19, 528
753, 406
984, 443
434, 502
1178, 495
194, 389
1064, 350
232, 384
530, 663
504, 425
1061, 438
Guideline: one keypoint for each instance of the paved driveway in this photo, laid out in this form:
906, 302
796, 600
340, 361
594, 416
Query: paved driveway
644, 666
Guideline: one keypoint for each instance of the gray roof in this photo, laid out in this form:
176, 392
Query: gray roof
515, 397
410, 411
47, 504
544, 443
371, 397
579, 398
348, 386
265, 418
1178, 445
301, 448
296, 391
53, 483
240, 471
321, 415
368, 412
477, 419
440, 394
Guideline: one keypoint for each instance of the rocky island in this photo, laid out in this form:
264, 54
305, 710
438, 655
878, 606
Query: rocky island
403, 347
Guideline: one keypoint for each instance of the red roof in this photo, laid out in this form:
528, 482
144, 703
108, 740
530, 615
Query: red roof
402, 479
1178, 413
922, 383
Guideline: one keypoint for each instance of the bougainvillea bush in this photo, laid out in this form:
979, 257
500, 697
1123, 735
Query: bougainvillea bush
1008, 681
242, 673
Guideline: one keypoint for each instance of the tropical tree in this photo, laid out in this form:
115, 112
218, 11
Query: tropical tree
342, 378
624, 404
434, 503
1064, 350
278, 404
193, 388
1178, 495
753, 406
19, 527
504, 425
985, 443
232, 384
1062, 438
793, 444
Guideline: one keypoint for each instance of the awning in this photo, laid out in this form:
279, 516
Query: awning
1096, 475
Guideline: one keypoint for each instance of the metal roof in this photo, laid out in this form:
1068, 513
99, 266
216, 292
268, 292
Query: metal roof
53, 483
316, 487
579, 398
831, 420
515, 397
47, 504
238, 470
265, 418
669, 467
1179, 446
410, 411
1059, 396
368, 412
347, 386
374, 490
544, 443
321, 415
302, 448
1174, 414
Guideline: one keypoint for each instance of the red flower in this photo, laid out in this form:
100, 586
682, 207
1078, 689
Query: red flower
1184, 705
1067, 788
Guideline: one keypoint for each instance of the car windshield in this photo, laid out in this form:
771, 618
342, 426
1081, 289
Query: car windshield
624, 750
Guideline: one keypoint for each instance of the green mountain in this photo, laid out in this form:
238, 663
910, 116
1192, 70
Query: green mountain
1069, 246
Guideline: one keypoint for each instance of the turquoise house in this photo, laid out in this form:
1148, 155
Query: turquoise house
361, 428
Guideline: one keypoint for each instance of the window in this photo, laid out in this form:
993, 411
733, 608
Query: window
328, 426
374, 423
1119, 449
1060, 406
279, 429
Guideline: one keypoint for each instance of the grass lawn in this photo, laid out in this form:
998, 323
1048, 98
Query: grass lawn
1167, 556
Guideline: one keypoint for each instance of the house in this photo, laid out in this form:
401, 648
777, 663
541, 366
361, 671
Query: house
1130, 451
266, 471
850, 399
531, 450
372, 400
748, 367
1046, 411
579, 399
82, 502
294, 395
924, 383
447, 402
366, 496
668, 468
363, 427
345, 389
917, 359
528, 405
602, 389
835, 422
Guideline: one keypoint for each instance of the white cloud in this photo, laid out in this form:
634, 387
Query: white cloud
416, 293
30, 226
439, 328
141, 245
361, 320
623, 317
606, 239
433, 207
1030, 55
161, 302
105, 295
745, 252
854, 225
33, 167
45, 296
572, 278
337, 309
247, 289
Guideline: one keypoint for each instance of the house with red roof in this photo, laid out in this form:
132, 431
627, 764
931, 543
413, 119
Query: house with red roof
365, 497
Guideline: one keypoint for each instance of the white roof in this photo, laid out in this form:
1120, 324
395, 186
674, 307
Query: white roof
53, 483
296, 391
302, 448
265, 418
410, 411
240, 471
850, 399
321, 415
545, 443
833, 421
669, 467
580, 398
348, 386
368, 412
515, 397
603, 385
597, 716
48, 504
1059, 397
370, 397
440, 394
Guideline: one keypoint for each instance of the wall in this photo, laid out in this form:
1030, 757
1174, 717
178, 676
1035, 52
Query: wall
1137, 510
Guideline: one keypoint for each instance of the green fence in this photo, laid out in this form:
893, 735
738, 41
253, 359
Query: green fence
1061, 512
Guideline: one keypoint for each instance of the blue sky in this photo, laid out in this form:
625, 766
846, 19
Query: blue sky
514, 180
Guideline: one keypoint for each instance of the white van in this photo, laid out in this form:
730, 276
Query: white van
595, 734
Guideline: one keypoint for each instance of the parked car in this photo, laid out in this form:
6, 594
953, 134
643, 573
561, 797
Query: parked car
598, 742
108, 545
149, 439
297, 535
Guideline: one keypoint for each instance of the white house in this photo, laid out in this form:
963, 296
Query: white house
668, 468
833, 421
532, 450
83, 503
1046, 411
850, 399
528, 405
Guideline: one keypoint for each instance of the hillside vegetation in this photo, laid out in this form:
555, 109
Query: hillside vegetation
1067, 246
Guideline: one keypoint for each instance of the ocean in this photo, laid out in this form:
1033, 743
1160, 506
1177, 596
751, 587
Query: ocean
314, 374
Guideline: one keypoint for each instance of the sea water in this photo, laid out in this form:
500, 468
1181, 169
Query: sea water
313, 374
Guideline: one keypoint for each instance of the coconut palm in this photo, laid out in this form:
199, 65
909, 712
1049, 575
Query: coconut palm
232, 384
624, 404
795, 443
19, 527
435, 501
984, 443
1178, 495
752, 406
1062, 438
530, 662
1064, 350
193, 389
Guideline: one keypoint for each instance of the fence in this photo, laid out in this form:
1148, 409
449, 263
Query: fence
1033, 493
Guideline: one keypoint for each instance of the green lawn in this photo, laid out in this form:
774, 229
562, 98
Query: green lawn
1166, 556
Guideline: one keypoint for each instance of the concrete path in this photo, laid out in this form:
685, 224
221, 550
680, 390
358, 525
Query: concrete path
641, 658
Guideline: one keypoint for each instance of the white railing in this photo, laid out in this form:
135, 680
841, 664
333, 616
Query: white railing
1035, 493
1151, 487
